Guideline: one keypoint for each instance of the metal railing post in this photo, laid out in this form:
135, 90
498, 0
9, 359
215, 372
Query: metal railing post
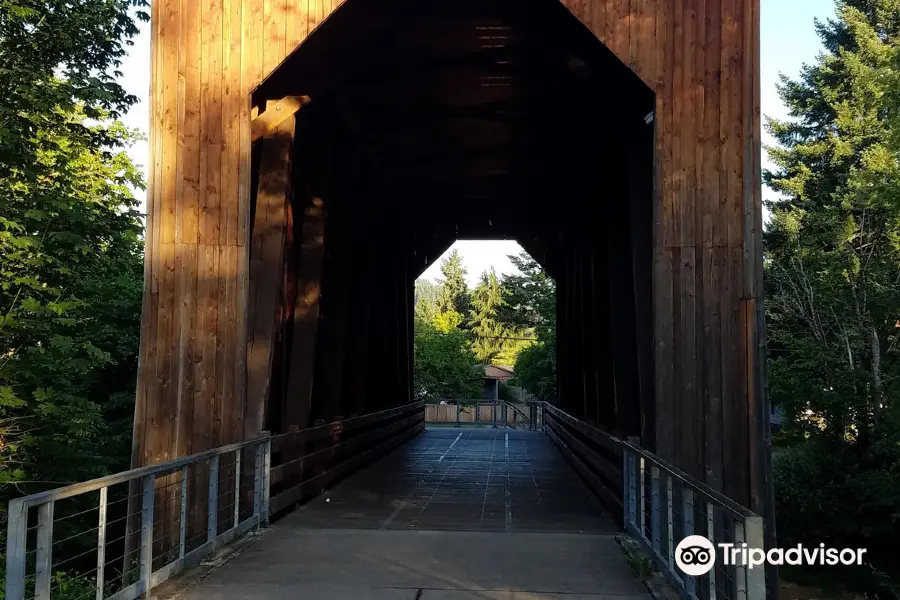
257, 484
626, 487
632, 509
711, 535
670, 523
642, 509
146, 565
43, 574
267, 461
101, 543
182, 524
237, 487
16, 539
756, 578
740, 570
687, 515
655, 510
212, 501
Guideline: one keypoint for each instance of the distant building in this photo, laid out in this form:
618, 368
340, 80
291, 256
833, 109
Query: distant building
776, 417
493, 375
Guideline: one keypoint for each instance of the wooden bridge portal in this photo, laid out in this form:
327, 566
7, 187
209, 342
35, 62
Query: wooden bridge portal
309, 160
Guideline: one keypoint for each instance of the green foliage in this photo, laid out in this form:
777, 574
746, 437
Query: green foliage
444, 366
506, 393
70, 248
530, 305
504, 317
454, 292
829, 494
832, 273
529, 298
536, 369
489, 333
833, 246
426, 300
447, 322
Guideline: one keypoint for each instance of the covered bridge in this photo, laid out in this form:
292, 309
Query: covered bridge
310, 159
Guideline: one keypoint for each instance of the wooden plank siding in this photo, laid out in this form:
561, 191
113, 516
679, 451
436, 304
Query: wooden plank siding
701, 59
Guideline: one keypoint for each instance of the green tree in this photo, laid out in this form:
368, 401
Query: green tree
70, 251
492, 341
454, 294
535, 369
444, 365
833, 246
426, 299
529, 297
530, 306
832, 268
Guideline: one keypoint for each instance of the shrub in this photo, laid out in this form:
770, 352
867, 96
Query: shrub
826, 492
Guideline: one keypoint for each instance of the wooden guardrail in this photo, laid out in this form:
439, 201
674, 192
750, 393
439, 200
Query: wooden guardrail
595, 454
305, 462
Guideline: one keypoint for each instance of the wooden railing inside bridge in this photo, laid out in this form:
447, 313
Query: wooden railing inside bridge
51, 548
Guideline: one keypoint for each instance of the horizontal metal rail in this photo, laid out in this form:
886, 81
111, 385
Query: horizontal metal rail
664, 505
173, 518
661, 505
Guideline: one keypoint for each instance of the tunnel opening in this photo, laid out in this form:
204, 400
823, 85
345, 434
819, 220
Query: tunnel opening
456, 120
482, 311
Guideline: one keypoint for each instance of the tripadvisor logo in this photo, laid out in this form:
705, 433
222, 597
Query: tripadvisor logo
696, 555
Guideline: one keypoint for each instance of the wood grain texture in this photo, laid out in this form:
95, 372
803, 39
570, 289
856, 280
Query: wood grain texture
699, 56
267, 269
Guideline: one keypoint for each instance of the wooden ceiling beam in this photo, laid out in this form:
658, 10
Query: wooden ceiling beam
275, 113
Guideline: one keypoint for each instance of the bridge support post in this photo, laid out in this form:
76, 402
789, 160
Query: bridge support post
267, 264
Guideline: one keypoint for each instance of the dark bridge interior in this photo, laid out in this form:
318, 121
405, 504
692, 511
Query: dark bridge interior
432, 122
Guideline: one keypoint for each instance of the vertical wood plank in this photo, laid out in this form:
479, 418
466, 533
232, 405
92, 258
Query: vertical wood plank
715, 260
143, 399
170, 42
186, 297
295, 25
224, 354
203, 229
274, 34
267, 251
675, 155
180, 106
231, 118
165, 341
664, 352
205, 414
732, 368
211, 209
730, 120
189, 153
687, 123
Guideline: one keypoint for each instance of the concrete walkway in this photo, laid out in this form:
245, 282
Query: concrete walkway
334, 564
452, 515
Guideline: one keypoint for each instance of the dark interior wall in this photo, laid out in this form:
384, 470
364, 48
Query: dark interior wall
604, 304
593, 239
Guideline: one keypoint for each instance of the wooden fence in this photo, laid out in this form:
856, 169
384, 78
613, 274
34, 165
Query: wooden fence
479, 413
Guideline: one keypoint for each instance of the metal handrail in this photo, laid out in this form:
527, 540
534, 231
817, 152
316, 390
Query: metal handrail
681, 506
144, 478
726, 503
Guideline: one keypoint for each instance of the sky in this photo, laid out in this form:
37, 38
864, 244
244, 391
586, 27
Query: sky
788, 40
